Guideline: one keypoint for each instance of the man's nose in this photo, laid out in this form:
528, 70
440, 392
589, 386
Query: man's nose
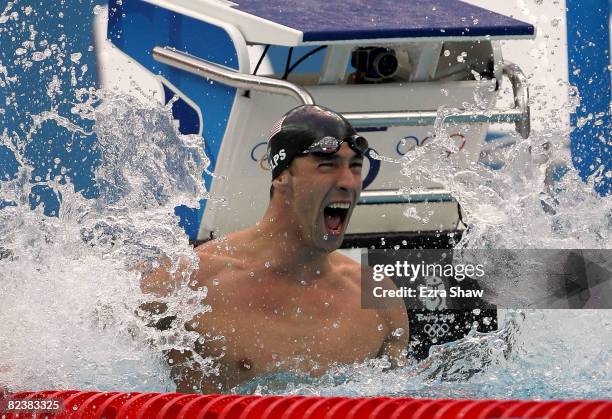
348, 180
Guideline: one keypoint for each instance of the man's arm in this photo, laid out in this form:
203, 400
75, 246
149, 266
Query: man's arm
395, 345
186, 369
160, 283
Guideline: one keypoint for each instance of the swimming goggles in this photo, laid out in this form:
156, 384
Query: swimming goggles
331, 145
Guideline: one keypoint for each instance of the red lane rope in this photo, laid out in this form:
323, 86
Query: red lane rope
114, 405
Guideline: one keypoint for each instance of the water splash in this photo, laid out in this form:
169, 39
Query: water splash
70, 289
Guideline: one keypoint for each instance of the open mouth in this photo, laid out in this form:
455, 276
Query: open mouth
335, 215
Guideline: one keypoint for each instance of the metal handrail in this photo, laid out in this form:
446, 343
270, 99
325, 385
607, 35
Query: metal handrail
228, 76
519, 115
382, 196
423, 118
520, 88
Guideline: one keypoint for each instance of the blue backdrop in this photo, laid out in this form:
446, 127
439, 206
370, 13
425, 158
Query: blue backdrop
588, 37
65, 28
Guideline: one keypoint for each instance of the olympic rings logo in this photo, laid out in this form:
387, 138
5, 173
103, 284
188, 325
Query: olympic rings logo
258, 155
403, 146
410, 142
436, 330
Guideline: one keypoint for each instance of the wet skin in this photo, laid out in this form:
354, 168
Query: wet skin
282, 298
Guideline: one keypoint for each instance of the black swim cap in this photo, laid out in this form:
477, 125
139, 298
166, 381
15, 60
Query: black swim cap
298, 129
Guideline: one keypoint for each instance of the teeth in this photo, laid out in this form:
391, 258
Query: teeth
340, 205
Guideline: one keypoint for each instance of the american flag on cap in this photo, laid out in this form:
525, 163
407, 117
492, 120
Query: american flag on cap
276, 127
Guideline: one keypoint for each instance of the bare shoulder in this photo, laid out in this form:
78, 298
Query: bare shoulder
213, 258
346, 266
216, 257
349, 267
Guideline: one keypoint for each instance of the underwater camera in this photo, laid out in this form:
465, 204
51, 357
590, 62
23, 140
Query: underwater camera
374, 64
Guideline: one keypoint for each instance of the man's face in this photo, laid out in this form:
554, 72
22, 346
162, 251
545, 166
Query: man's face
324, 190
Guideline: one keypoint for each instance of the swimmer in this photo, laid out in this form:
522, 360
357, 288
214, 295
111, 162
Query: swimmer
282, 297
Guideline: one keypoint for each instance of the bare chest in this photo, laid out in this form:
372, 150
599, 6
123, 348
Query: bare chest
302, 334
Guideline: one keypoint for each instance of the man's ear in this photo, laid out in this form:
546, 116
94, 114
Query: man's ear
282, 181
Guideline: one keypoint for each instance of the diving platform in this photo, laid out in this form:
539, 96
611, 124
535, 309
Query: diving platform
299, 22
